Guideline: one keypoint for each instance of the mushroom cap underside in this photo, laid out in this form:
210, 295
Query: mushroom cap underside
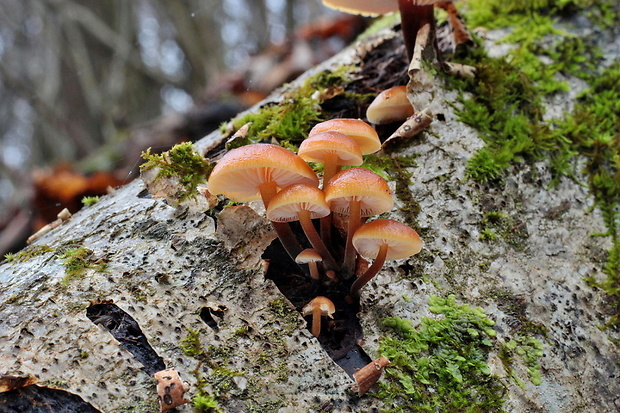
317, 147
286, 204
308, 255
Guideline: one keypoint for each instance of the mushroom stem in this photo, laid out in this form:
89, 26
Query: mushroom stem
413, 17
326, 230
349, 251
330, 167
267, 191
372, 271
316, 321
285, 234
315, 239
314, 271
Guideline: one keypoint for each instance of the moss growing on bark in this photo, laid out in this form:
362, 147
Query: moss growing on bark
441, 365
181, 162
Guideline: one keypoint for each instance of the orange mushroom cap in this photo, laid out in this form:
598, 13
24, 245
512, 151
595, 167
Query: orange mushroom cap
316, 147
356, 129
241, 171
307, 256
286, 204
391, 105
324, 304
402, 241
361, 185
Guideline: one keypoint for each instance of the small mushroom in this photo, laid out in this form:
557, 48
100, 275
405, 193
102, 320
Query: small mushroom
363, 134
300, 202
319, 306
367, 376
381, 240
333, 150
357, 192
257, 171
310, 256
389, 106
358, 130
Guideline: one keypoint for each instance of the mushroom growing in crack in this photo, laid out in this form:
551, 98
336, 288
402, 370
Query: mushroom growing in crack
357, 192
257, 171
319, 306
391, 105
311, 257
382, 240
363, 134
300, 202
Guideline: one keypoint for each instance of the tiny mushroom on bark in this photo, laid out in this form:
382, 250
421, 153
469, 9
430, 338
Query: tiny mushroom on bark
381, 240
300, 202
310, 256
257, 171
357, 192
358, 130
391, 105
319, 306
333, 150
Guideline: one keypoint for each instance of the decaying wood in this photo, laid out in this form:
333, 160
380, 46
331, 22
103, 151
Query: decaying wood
194, 283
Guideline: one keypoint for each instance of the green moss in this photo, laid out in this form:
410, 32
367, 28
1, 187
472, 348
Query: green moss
183, 163
90, 200
529, 350
487, 234
288, 122
204, 402
190, 344
76, 261
506, 104
441, 365
27, 253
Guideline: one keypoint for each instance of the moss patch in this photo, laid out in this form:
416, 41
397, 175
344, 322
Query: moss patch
27, 253
529, 350
90, 200
190, 344
76, 260
183, 163
441, 365
288, 122
506, 104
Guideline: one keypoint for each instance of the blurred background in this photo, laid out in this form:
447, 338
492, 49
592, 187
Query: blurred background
87, 85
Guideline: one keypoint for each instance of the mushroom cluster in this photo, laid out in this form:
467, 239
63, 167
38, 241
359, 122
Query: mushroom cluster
291, 191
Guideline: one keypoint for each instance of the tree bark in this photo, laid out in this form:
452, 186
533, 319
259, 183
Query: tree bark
194, 284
